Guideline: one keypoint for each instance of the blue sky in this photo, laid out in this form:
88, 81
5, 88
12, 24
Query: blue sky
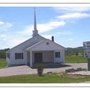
69, 26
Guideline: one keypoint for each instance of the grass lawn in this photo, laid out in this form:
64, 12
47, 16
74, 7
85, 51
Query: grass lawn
53, 78
75, 59
3, 63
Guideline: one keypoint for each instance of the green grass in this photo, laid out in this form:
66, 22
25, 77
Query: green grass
3, 63
53, 78
75, 59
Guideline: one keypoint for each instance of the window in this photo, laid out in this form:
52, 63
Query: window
18, 55
57, 54
47, 43
8, 55
88, 46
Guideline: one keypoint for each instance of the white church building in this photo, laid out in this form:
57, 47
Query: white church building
36, 50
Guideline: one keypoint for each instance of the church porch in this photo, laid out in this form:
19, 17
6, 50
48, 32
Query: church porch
45, 57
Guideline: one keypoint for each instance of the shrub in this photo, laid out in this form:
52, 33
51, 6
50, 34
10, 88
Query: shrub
40, 69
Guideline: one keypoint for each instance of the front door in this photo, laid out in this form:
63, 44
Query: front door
38, 57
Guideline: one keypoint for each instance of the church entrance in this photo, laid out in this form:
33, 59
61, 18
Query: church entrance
38, 57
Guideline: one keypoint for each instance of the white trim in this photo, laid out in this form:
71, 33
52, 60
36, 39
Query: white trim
34, 45
31, 59
41, 42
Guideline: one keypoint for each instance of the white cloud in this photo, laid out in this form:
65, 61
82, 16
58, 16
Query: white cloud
71, 9
73, 16
1, 23
2, 36
5, 25
45, 27
11, 40
69, 13
50, 26
77, 9
15, 41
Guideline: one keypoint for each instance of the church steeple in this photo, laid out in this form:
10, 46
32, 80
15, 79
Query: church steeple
35, 31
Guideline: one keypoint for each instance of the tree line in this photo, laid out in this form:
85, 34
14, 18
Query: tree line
3, 53
74, 51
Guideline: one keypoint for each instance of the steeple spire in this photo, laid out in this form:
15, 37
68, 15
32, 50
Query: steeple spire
35, 23
35, 31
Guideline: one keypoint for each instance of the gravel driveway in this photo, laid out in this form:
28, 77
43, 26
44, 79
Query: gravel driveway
22, 70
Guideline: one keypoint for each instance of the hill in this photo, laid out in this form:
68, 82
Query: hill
74, 51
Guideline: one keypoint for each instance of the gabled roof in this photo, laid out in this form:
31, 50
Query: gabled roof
31, 42
52, 45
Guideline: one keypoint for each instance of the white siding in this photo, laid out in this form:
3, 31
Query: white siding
61, 59
48, 56
22, 49
52, 46
37, 43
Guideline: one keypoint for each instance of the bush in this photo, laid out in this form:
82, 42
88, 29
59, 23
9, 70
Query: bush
69, 70
74, 70
40, 69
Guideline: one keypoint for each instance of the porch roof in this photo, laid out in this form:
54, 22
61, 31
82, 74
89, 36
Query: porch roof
45, 45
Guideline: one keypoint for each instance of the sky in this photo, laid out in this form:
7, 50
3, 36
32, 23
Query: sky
70, 26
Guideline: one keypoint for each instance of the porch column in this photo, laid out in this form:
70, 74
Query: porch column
31, 58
